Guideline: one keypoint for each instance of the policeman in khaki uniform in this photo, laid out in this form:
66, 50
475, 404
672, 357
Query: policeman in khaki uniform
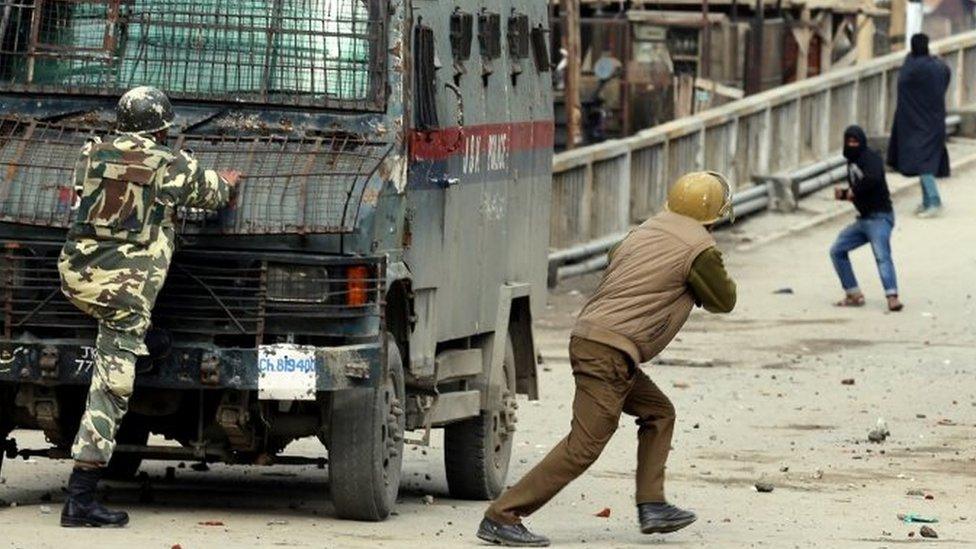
660, 271
114, 263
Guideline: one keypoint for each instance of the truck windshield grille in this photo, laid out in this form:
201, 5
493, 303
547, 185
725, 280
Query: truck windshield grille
290, 185
217, 298
325, 53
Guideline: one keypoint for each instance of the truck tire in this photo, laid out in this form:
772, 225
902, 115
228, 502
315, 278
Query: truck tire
366, 445
124, 466
477, 451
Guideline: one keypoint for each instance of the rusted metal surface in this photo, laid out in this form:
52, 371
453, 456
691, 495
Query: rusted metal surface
314, 53
209, 295
775, 131
307, 184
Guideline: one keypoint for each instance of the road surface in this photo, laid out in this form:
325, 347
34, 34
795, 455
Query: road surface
760, 397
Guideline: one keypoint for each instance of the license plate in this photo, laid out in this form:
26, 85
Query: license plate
286, 372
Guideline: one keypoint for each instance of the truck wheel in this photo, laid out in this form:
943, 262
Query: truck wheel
477, 451
124, 466
366, 445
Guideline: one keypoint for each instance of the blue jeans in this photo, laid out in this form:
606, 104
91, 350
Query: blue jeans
930, 192
876, 230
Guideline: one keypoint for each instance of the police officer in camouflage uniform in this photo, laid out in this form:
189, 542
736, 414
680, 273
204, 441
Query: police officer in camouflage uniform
114, 263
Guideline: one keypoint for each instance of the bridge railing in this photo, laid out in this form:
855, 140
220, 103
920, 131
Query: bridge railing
604, 189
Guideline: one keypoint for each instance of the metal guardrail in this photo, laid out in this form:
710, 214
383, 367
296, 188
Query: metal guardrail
592, 256
602, 190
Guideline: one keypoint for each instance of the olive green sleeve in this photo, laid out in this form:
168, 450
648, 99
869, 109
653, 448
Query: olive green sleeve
710, 282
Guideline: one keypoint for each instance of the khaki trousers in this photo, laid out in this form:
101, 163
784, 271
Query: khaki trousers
606, 385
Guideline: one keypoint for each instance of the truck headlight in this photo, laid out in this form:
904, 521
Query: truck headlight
298, 283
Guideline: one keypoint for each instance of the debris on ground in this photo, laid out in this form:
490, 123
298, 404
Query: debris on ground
818, 474
605, 513
914, 517
927, 532
277, 522
211, 523
764, 487
784, 469
915, 492
880, 432
680, 385
784, 291
848, 381
689, 362
45, 509
428, 499
929, 496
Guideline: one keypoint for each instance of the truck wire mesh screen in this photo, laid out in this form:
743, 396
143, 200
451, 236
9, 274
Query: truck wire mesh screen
291, 185
316, 53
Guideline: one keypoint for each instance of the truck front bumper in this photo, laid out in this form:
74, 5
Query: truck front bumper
335, 368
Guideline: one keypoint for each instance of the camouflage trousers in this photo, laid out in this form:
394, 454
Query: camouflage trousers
119, 343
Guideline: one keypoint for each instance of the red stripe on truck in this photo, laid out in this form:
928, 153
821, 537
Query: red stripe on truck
445, 143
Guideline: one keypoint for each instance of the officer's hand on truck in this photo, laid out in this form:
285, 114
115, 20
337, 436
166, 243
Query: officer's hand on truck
230, 176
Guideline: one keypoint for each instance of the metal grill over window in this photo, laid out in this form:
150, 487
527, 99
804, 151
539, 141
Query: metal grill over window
311, 184
328, 53
212, 295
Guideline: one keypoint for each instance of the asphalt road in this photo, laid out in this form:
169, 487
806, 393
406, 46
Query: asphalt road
760, 397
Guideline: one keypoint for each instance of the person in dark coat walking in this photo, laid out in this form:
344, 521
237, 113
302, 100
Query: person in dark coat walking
868, 190
918, 136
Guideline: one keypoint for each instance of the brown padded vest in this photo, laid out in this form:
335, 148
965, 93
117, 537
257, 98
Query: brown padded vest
644, 298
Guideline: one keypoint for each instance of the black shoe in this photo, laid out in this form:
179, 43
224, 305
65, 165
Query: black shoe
81, 509
662, 518
510, 535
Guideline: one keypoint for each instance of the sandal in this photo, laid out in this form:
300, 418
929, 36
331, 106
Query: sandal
849, 300
897, 305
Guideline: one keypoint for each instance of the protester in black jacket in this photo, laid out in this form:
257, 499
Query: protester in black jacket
918, 135
868, 190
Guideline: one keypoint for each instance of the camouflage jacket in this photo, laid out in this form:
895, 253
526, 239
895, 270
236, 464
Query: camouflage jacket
118, 251
129, 189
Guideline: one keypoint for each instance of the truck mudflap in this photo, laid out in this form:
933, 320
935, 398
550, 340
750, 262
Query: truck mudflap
277, 372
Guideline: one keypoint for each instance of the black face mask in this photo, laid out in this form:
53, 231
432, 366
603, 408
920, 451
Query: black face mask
920, 45
851, 153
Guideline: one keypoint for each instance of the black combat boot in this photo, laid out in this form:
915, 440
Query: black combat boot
662, 518
81, 509
509, 535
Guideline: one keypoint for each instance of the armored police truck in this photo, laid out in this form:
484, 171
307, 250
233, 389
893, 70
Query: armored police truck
373, 279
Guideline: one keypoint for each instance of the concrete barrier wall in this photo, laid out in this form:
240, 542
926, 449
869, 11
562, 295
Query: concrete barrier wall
604, 189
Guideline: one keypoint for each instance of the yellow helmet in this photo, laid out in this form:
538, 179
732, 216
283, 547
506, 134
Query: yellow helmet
702, 196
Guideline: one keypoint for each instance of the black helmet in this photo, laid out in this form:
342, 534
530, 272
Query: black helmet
143, 110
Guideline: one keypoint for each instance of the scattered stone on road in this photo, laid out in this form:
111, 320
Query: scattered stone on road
880, 432
927, 532
764, 487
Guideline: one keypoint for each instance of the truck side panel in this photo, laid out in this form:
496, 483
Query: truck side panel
478, 195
